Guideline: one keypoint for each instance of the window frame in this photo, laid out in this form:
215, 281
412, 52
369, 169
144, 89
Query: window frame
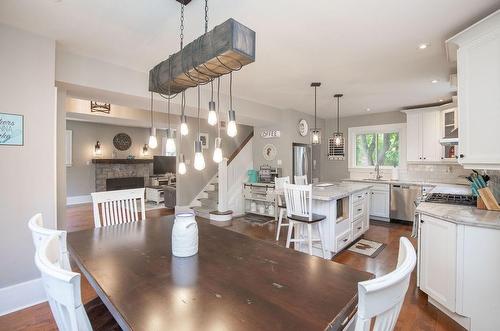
400, 128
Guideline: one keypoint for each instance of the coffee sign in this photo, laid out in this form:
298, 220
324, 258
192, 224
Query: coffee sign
11, 129
266, 134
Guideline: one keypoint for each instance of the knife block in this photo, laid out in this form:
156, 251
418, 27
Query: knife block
486, 200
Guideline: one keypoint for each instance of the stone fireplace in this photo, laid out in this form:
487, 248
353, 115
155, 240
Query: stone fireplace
132, 174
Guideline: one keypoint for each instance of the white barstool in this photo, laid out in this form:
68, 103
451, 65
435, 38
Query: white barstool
279, 183
299, 212
300, 180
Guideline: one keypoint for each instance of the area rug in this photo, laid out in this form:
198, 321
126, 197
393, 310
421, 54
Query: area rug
366, 247
256, 219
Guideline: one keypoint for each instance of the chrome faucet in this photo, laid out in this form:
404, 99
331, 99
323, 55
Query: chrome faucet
377, 170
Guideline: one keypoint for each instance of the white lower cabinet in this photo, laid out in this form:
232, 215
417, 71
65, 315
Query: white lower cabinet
438, 265
379, 203
460, 272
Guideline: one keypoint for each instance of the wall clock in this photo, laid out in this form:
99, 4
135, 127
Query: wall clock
303, 128
269, 152
122, 141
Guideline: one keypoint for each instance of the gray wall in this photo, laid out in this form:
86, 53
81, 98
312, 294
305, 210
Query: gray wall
287, 124
337, 170
61, 159
28, 174
81, 175
189, 185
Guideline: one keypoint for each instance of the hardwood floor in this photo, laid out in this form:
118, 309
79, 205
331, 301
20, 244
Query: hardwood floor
416, 314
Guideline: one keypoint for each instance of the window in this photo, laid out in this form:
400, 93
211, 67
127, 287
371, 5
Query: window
377, 148
380, 144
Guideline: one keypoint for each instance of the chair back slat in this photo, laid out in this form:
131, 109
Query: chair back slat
279, 183
40, 233
62, 288
298, 200
117, 207
300, 180
382, 298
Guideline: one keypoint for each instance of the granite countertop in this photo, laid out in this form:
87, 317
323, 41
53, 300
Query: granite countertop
337, 190
399, 181
467, 215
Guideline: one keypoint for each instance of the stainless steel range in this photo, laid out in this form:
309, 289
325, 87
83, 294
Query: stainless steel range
455, 199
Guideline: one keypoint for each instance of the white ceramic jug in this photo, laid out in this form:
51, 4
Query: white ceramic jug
185, 235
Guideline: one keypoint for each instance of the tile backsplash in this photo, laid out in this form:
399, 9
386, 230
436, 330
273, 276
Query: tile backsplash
436, 173
494, 183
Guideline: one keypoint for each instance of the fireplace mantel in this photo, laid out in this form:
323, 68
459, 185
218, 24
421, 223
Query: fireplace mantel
122, 161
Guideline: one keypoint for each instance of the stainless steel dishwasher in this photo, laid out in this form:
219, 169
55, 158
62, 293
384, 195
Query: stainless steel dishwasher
402, 201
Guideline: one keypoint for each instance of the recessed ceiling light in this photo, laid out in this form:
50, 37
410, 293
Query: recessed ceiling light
368, 109
441, 100
434, 81
423, 46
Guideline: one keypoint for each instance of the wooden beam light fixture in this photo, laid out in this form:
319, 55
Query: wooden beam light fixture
226, 48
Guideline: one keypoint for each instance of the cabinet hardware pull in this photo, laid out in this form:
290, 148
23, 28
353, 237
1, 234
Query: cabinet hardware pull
359, 228
360, 209
462, 156
345, 240
421, 221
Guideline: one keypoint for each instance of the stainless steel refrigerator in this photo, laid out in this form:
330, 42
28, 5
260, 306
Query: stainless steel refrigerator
302, 160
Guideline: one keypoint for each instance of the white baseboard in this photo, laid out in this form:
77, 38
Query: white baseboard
22, 295
78, 200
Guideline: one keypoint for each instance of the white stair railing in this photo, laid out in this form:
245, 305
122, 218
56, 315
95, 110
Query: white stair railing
222, 191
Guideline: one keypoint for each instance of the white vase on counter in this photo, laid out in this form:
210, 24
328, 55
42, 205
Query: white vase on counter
185, 235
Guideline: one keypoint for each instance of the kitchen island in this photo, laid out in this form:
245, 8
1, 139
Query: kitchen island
346, 207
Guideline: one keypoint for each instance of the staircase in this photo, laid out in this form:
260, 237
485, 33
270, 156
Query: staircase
208, 199
206, 204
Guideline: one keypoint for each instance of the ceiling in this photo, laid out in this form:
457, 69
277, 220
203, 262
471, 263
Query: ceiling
366, 49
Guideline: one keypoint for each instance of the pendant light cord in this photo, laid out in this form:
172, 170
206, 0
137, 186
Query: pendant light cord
151, 106
315, 128
198, 112
168, 100
218, 107
338, 114
231, 90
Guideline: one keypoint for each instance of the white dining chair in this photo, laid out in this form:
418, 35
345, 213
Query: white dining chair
117, 207
40, 233
382, 298
300, 180
281, 204
62, 288
299, 213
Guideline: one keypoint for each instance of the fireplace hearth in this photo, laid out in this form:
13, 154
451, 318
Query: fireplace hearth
118, 176
124, 183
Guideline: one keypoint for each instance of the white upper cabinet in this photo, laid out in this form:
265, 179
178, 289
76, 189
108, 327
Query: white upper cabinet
477, 51
423, 132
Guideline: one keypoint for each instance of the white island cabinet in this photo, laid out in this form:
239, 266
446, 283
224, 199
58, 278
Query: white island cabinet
459, 269
346, 207
477, 53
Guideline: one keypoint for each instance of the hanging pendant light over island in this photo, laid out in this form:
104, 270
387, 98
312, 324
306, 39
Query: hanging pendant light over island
315, 134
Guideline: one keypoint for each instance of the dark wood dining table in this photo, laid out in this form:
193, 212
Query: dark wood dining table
233, 283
